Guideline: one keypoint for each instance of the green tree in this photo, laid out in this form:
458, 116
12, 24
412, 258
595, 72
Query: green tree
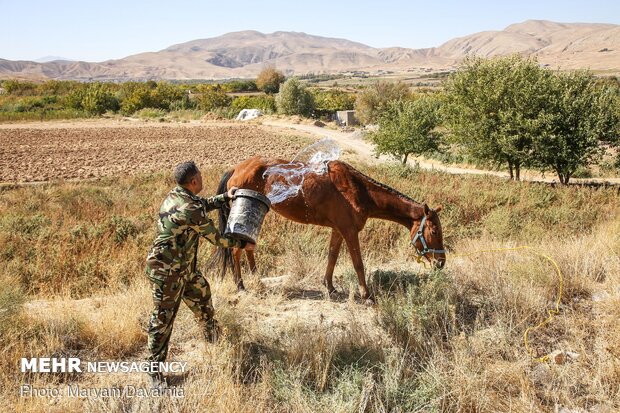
581, 116
496, 107
372, 101
135, 96
328, 102
294, 99
237, 86
212, 97
269, 80
164, 93
98, 98
408, 128
19, 88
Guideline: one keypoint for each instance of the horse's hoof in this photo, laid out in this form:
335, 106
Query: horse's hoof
240, 287
333, 293
369, 302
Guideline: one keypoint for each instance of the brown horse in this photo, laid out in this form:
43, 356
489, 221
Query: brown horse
343, 199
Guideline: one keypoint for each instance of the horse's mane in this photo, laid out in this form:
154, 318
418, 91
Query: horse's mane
379, 184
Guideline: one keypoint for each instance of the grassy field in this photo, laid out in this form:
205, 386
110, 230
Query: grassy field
72, 261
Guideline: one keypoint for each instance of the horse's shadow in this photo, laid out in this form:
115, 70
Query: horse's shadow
177, 379
316, 295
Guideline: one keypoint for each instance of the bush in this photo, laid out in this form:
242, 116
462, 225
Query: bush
184, 103
238, 86
294, 99
371, 102
266, 104
416, 309
269, 80
135, 96
328, 102
122, 228
19, 88
150, 113
98, 99
212, 97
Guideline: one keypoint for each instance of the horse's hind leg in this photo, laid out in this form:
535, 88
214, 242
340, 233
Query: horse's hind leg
251, 261
236, 253
353, 244
335, 243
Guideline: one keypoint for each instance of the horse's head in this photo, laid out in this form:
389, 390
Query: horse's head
427, 238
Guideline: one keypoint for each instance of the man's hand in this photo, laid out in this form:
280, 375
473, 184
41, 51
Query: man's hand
249, 246
231, 192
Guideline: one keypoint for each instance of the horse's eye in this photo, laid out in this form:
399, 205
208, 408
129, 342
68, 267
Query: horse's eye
433, 232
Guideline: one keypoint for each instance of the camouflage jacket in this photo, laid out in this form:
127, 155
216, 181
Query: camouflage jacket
182, 219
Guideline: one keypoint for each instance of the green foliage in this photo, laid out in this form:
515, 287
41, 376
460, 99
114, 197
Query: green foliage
269, 80
266, 103
372, 101
212, 97
328, 102
27, 226
495, 108
581, 115
510, 111
122, 228
239, 86
134, 96
137, 95
416, 309
294, 99
408, 127
98, 98
185, 103
150, 113
19, 88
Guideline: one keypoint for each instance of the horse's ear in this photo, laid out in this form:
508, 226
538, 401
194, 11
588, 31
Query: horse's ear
438, 209
427, 210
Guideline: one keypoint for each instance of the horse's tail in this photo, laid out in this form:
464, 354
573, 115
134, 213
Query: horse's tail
222, 256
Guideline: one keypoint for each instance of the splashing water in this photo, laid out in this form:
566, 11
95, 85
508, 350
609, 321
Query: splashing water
287, 179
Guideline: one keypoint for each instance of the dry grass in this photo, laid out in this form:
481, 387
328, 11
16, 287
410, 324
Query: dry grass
450, 341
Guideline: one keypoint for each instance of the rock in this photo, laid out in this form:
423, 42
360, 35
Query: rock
561, 356
600, 296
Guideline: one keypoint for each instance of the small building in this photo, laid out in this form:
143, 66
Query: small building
346, 118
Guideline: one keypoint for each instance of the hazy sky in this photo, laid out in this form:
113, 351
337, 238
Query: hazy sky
107, 29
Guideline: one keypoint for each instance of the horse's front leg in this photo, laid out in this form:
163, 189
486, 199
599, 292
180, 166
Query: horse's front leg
353, 244
335, 243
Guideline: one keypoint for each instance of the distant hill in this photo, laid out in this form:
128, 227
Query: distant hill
244, 54
46, 59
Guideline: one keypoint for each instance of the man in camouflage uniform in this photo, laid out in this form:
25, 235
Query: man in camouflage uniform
171, 261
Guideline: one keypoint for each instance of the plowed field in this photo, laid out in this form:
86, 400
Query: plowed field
48, 152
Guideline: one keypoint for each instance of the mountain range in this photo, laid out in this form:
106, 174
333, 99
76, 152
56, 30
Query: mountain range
244, 54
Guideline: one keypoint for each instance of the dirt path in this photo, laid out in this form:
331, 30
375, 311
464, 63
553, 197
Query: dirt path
354, 141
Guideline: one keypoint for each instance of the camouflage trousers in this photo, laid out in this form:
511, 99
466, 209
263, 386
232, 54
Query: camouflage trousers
168, 291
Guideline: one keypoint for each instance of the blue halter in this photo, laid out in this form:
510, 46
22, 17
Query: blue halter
420, 235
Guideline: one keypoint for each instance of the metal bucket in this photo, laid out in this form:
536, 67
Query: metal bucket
247, 214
